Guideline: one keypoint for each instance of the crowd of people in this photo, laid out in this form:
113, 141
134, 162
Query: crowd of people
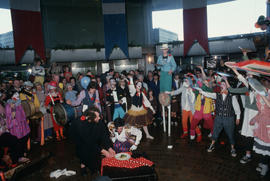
116, 108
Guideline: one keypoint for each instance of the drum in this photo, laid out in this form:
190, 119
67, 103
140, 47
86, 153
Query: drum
64, 113
29, 108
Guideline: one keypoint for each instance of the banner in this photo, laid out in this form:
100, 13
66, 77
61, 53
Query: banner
27, 27
115, 26
195, 28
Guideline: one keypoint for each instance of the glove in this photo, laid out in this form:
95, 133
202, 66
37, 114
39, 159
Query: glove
133, 147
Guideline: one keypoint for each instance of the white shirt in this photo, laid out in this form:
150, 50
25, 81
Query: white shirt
187, 98
122, 137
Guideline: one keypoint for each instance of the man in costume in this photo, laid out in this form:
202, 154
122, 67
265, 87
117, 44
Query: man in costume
187, 103
92, 140
114, 100
125, 138
226, 107
204, 107
167, 64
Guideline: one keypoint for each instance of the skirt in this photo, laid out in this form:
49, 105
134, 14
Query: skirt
247, 129
260, 147
138, 117
120, 147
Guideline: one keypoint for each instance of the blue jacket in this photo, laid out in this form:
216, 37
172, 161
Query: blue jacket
166, 64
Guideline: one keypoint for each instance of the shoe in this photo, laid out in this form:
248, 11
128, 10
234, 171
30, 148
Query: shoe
211, 148
264, 170
233, 152
192, 137
199, 139
210, 135
245, 159
184, 135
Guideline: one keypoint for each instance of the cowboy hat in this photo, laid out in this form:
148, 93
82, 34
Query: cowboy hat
164, 46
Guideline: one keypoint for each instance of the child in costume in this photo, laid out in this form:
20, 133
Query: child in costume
125, 138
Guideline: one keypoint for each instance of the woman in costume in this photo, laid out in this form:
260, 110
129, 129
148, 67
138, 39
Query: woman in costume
261, 132
16, 122
138, 115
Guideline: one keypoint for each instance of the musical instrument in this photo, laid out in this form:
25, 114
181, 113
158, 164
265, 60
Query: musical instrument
164, 99
257, 86
64, 113
29, 108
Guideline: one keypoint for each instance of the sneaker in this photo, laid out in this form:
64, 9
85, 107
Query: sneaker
211, 148
233, 152
245, 159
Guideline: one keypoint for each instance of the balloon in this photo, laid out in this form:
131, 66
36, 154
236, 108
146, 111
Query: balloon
85, 82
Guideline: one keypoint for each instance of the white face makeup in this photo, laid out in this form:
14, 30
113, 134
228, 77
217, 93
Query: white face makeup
139, 85
186, 83
223, 86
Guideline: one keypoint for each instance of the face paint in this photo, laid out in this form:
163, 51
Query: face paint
186, 83
223, 86
139, 85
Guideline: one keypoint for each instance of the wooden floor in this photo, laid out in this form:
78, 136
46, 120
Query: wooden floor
186, 161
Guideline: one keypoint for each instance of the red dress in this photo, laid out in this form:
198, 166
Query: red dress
48, 101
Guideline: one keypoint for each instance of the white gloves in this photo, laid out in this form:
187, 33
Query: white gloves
58, 173
133, 147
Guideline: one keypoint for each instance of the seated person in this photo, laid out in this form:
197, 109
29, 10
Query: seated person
125, 138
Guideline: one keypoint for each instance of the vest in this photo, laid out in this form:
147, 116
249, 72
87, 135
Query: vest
137, 100
87, 100
224, 108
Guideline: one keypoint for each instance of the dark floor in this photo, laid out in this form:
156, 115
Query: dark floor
187, 161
